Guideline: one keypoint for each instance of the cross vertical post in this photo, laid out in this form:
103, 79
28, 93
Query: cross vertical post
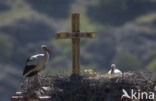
76, 44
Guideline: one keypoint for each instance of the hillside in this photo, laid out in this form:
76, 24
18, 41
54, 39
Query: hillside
126, 35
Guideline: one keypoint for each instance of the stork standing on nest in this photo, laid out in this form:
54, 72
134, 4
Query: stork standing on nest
37, 62
114, 70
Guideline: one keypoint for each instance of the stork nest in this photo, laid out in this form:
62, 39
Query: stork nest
86, 88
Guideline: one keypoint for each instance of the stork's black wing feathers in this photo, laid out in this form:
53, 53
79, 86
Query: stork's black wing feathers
31, 63
28, 59
32, 74
28, 68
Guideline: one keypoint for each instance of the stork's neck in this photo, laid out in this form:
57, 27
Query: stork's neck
112, 70
46, 54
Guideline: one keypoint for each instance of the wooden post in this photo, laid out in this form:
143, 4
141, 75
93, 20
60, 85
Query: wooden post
75, 35
76, 44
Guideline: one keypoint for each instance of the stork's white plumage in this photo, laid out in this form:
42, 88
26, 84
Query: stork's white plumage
114, 70
36, 63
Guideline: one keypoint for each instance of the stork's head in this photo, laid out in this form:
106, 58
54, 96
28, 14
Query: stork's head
44, 48
113, 66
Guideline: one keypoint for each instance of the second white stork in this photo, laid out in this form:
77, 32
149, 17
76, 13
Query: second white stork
114, 70
37, 62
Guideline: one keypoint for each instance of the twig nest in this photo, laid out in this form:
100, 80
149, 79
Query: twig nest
47, 88
90, 72
91, 88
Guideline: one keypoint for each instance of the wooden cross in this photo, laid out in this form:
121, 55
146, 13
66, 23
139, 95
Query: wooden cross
75, 35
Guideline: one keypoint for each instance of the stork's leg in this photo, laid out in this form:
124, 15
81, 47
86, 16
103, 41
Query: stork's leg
26, 83
29, 82
35, 81
39, 80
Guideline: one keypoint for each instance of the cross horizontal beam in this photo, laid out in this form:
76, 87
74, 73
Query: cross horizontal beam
70, 35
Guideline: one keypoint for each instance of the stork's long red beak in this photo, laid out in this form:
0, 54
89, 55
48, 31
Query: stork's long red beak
49, 51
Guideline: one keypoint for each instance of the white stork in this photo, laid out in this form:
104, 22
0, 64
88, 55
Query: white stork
114, 70
37, 62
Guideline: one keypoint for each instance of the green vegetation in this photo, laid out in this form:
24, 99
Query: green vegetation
152, 65
50, 7
6, 46
118, 12
31, 24
150, 57
126, 61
